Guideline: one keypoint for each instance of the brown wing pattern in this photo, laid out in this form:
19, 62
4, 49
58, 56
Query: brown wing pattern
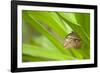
72, 41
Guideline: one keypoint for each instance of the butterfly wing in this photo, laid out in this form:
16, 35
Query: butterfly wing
72, 43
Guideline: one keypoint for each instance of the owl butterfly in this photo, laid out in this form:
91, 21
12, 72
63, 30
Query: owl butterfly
72, 40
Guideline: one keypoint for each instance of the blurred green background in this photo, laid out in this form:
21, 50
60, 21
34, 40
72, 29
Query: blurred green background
43, 35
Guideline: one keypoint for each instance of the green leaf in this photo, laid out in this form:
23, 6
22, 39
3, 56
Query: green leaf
40, 28
84, 20
41, 52
28, 58
51, 19
48, 33
79, 29
76, 53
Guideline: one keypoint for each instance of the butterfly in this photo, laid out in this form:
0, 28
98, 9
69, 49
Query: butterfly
72, 40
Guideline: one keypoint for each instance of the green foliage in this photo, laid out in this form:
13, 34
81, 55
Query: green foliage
44, 34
